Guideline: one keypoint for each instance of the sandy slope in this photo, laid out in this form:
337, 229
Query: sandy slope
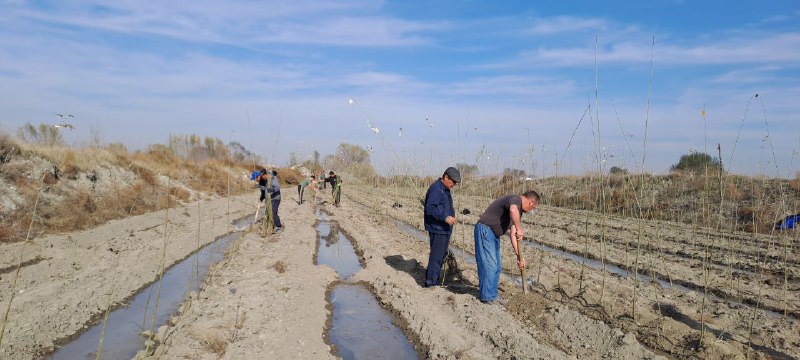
68, 280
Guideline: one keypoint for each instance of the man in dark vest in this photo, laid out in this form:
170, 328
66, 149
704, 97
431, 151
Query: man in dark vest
439, 220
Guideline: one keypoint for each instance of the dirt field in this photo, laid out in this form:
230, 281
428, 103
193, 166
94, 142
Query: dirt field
268, 298
745, 276
283, 314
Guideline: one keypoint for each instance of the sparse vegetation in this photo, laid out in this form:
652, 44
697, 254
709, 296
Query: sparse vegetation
90, 186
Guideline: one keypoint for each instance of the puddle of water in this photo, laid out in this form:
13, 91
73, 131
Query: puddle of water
362, 329
122, 338
411, 230
336, 250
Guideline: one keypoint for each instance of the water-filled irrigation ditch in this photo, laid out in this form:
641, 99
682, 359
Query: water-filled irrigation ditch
123, 334
360, 328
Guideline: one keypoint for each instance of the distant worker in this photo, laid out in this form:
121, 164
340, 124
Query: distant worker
315, 187
337, 192
332, 178
263, 180
301, 188
493, 223
274, 190
439, 218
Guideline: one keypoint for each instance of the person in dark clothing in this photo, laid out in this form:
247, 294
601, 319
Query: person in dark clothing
332, 178
439, 218
274, 191
262, 179
501, 214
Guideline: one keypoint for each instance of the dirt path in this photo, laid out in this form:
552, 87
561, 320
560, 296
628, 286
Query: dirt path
267, 300
67, 281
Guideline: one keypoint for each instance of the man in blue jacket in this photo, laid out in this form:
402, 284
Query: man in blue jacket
439, 221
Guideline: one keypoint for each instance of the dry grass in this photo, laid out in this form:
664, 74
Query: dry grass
280, 267
289, 177
678, 196
213, 342
132, 184
794, 184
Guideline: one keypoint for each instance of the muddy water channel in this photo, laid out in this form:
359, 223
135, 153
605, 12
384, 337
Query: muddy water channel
123, 337
360, 328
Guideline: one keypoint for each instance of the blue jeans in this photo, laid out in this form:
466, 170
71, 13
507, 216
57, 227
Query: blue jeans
487, 255
275, 218
439, 243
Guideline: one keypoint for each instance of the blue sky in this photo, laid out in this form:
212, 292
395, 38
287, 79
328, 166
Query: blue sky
500, 84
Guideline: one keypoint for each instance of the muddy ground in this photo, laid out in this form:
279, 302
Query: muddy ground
268, 299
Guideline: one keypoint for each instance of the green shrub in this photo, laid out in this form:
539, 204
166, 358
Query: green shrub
696, 161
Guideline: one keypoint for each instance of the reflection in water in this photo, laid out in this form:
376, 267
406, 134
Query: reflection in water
332, 237
336, 250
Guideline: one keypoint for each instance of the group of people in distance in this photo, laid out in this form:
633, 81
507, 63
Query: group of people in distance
269, 184
502, 215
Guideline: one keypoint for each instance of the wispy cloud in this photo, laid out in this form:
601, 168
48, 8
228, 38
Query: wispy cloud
240, 23
760, 48
525, 86
565, 24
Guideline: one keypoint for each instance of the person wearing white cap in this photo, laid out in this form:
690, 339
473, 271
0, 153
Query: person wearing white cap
439, 217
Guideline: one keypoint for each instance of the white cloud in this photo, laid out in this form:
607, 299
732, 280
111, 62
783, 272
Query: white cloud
760, 48
241, 23
527, 86
562, 24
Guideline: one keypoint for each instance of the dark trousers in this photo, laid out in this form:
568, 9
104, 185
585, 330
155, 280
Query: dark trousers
439, 243
276, 219
300, 190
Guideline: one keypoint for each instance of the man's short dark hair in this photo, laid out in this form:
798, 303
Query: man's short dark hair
531, 194
330, 173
